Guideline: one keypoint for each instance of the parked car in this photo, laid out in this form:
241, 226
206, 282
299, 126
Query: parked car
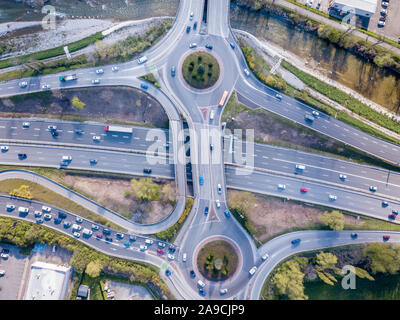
46, 209
62, 215
161, 244
67, 224
132, 238
39, 221
171, 249
160, 251
149, 241
95, 227
119, 235
202, 292
10, 207
57, 220
4, 148
4, 256
79, 220
106, 232
76, 234
99, 236
37, 214
2, 273
47, 216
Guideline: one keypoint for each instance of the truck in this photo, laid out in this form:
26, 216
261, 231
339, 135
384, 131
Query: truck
69, 77
118, 129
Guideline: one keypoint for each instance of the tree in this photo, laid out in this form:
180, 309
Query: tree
78, 103
201, 69
384, 258
146, 189
334, 220
94, 268
325, 264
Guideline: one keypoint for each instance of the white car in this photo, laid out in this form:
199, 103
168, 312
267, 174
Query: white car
52, 128
4, 256
45, 87
161, 244
381, 23
76, 234
2, 273
201, 284
253, 270
373, 188
76, 227
219, 188
115, 68
66, 158
95, 81
96, 138
170, 256
143, 248
265, 257
332, 197
278, 96
193, 45
26, 125
315, 113
23, 84
342, 176
191, 16
184, 257
217, 203
47, 216
281, 186
300, 167
99, 71
10, 207
149, 241
223, 291
23, 210
247, 73
4, 148
46, 209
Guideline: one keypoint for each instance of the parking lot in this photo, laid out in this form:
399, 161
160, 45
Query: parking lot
392, 26
125, 291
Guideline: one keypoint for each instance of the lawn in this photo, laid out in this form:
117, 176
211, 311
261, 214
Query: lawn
201, 70
217, 260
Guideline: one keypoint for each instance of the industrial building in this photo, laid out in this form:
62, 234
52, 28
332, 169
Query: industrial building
361, 10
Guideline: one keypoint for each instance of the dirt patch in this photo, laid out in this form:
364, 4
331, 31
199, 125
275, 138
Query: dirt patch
102, 104
111, 193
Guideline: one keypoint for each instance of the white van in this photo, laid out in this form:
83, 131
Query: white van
142, 60
201, 284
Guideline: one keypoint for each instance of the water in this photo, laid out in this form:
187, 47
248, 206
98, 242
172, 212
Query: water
377, 84
103, 9
385, 287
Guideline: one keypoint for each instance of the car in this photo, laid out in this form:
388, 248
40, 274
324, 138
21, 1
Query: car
47, 216
76, 234
303, 190
227, 213
295, 242
23, 210
383, 12
265, 257
2, 273
10, 207
119, 235
191, 16
52, 128
127, 244
26, 125
184, 257
246, 72
342, 177
332, 197
193, 45
67, 224
143, 248
66, 158
395, 212
385, 4
381, 23
160, 251
187, 29
315, 113
99, 71
96, 138
211, 147
232, 45
5, 250
142, 60
195, 25
173, 71
201, 284
132, 238
57, 220
22, 156
93, 161
109, 239
54, 133
161, 244
95, 227
385, 204
201, 180
281, 186
78, 220
99, 236
373, 188
106, 232
23, 84
223, 291
75, 227
300, 167
309, 118
383, 18
217, 203
37, 214
386, 238
253, 270
95, 81
144, 86
206, 211
202, 292
45, 87
209, 46
62, 215
147, 170
391, 216
149, 241
115, 68
278, 96
354, 235
4, 256
39, 221
46, 209
192, 274
219, 188
168, 272
78, 131
171, 249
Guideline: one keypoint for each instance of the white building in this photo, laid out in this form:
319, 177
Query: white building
47, 281
344, 9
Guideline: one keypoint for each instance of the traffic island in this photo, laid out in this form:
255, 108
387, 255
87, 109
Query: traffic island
200, 70
217, 260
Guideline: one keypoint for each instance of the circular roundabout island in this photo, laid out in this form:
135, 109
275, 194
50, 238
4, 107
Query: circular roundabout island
217, 260
200, 70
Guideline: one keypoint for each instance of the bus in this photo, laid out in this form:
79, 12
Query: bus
223, 98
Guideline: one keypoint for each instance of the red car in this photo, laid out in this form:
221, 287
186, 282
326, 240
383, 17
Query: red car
392, 216
160, 251
304, 190
99, 236
386, 238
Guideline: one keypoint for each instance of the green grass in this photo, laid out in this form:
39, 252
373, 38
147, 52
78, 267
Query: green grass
42, 194
200, 70
151, 78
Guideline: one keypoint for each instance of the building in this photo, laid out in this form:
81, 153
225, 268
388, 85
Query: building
83, 291
361, 10
47, 281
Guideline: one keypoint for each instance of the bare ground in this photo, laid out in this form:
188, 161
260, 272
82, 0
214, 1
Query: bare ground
109, 192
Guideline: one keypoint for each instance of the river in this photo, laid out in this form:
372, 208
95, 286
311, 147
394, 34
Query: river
377, 84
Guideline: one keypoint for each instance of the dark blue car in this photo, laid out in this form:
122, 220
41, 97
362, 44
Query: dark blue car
206, 211
295, 242
202, 292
